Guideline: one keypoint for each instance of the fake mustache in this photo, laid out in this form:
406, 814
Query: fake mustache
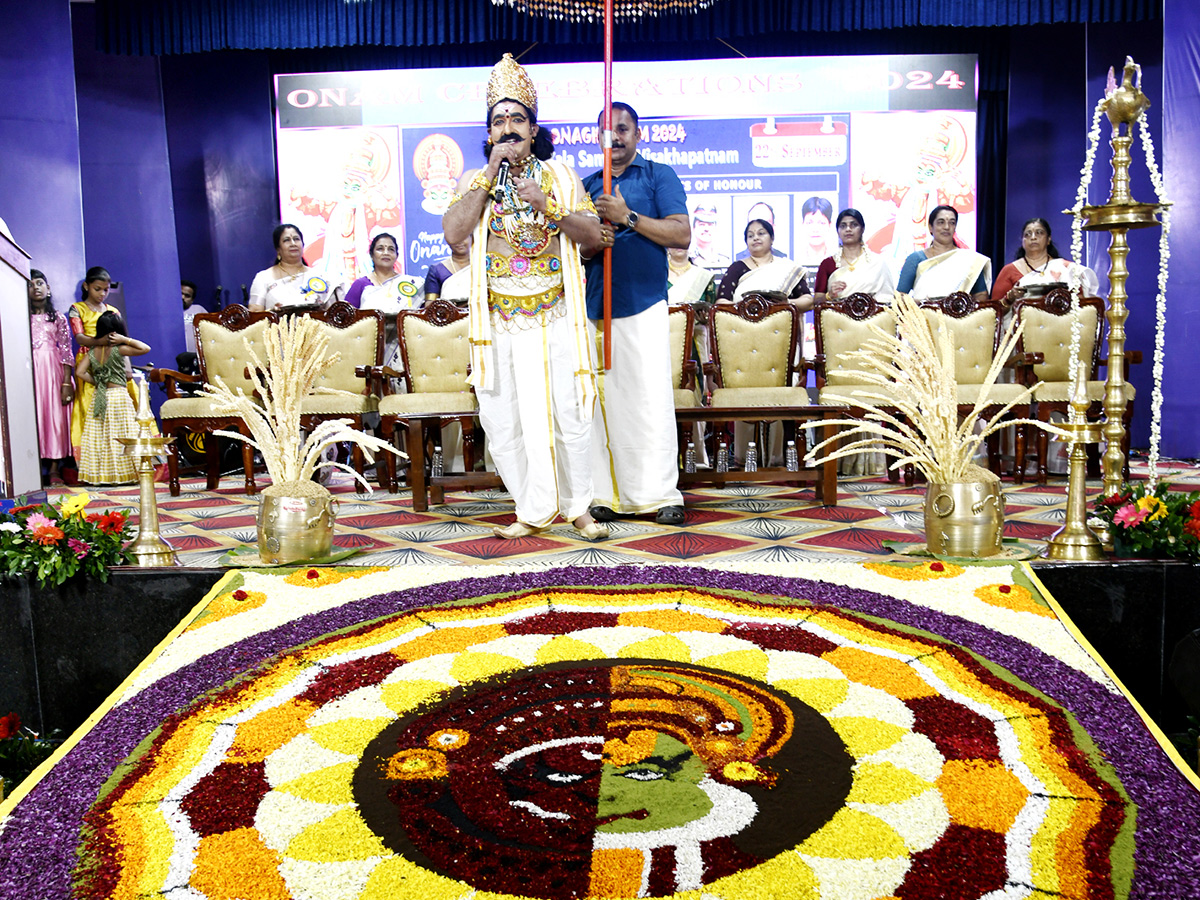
510, 138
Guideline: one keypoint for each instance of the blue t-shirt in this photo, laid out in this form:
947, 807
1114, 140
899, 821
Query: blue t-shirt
639, 265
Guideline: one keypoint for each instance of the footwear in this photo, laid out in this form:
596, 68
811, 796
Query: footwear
592, 531
670, 515
515, 530
602, 514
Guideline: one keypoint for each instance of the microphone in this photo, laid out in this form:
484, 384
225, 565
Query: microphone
501, 178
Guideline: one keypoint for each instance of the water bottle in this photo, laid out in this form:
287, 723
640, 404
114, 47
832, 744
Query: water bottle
689, 457
791, 457
751, 457
723, 458
436, 467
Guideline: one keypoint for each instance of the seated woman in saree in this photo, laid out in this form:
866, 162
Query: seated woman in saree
944, 267
384, 288
451, 277
290, 282
853, 269
763, 272
1039, 262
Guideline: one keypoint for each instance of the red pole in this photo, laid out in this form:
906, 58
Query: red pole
606, 144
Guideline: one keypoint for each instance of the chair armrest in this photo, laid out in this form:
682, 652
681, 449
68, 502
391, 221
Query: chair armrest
170, 379
379, 378
690, 368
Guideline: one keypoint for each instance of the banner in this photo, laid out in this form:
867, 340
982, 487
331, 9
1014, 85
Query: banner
789, 140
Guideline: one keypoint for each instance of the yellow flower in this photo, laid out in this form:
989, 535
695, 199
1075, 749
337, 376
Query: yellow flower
408, 765
449, 739
75, 503
1152, 505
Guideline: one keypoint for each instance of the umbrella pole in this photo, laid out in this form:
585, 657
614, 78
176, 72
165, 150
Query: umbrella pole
606, 143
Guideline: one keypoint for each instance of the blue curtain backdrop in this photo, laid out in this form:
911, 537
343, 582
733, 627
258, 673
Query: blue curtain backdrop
162, 27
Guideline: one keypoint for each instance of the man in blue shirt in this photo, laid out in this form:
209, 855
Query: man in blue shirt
634, 445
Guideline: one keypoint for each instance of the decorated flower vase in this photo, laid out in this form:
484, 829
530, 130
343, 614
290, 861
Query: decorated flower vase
964, 520
295, 523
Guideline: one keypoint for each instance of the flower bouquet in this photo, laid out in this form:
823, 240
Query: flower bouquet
56, 543
1152, 522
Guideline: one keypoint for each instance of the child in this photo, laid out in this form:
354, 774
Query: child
54, 388
110, 414
82, 319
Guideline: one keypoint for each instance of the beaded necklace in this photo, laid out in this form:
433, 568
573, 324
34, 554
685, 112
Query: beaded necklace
526, 230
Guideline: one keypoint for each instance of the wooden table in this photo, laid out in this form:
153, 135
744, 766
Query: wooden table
822, 476
422, 487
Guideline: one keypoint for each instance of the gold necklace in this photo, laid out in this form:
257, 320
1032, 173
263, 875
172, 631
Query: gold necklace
279, 265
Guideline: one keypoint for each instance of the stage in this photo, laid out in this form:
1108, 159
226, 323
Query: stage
71, 647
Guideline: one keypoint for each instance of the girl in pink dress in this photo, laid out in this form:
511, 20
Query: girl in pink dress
54, 388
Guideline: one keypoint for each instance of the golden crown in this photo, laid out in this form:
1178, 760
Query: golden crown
510, 81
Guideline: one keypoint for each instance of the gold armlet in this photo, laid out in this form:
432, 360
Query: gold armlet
480, 181
586, 206
454, 199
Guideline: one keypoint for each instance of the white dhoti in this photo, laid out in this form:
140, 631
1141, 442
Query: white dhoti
635, 447
537, 433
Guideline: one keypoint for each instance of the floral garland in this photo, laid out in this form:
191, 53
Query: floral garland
1081, 197
1160, 307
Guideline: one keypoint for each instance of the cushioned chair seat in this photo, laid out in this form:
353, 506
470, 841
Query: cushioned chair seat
191, 408
447, 403
999, 394
1060, 392
337, 404
685, 399
760, 396
843, 394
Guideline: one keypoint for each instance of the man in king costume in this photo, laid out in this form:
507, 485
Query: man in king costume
531, 361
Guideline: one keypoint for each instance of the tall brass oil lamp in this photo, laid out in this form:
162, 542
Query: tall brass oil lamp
1075, 541
148, 548
1122, 213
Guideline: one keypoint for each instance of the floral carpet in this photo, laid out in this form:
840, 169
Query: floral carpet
877, 730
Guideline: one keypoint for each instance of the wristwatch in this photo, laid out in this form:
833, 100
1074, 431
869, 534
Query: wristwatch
632, 220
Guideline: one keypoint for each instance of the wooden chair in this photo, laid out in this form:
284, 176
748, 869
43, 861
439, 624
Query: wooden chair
221, 352
358, 336
682, 322
1046, 345
843, 325
976, 327
435, 354
753, 350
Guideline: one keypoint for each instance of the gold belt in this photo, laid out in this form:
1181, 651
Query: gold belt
527, 305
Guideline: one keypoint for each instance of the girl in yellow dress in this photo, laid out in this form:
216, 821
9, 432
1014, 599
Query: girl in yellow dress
82, 318
110, 413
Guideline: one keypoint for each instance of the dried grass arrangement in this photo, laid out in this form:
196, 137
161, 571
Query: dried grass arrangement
297, 352
914, 370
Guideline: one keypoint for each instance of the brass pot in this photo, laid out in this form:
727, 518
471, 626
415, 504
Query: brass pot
964, 520
295, 523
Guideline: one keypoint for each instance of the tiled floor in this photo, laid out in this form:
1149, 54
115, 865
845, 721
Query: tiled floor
752, 522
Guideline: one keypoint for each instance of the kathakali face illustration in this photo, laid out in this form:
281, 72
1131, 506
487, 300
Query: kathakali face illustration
615, 780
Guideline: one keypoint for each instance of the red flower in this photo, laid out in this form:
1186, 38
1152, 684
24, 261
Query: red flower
1194, 509
1005, 589
1192, 527
1118, 499
27, 508
936, 567
112, 523
10, 725
313, 573
239, 594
